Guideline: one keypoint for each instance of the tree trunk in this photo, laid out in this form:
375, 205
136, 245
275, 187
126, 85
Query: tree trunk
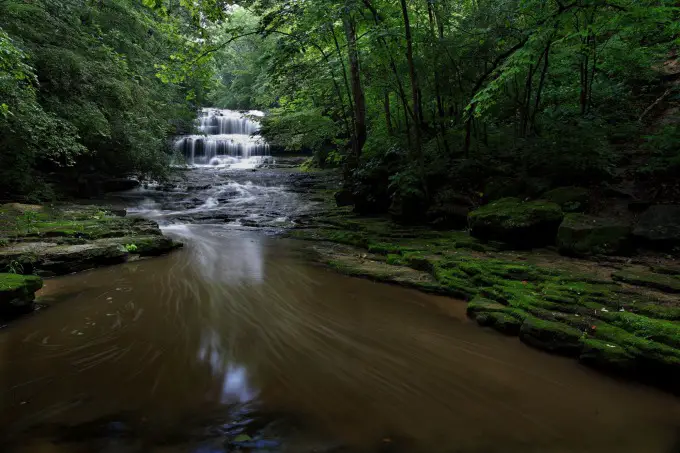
417, 116
360, 130
388, 113
541, 84
344, 71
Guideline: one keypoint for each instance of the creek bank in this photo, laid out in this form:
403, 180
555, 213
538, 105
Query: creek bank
618, 315
17, 293
56, 240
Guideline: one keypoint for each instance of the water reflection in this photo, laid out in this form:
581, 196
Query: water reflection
238, 322
242, 265
234, 377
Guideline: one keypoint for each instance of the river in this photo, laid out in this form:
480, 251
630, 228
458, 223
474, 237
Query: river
240, 340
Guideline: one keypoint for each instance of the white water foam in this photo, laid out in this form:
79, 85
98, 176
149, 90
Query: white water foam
228, 139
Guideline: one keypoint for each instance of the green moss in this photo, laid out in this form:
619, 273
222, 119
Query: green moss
17, 293
10, 283
384, 248
532, 223
396, 260
570, 199
663, 282
481, 305
656, 310
147, 245
458, 285
668, 270
454, 240
582, 235
551, 336
645, 349
666, 332
551, 310
418, 261
385, 273
504, 323
607, 356
512, 212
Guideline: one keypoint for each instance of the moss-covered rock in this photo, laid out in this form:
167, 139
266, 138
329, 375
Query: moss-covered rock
658, 330
570, 199
62, 239
656, 362
480, 305
582, 235
659, 227
662, 282
500, 321
572, 310
551, 336
67, 259
146, 245
17, 293
343, 198
607, 356
667, 269
522, 224
449, 210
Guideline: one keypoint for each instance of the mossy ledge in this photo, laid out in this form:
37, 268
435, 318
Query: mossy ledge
17, 293
599, 315
58, 240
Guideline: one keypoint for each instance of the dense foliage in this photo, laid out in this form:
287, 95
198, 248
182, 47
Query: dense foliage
425, 97
417, 99
88, 88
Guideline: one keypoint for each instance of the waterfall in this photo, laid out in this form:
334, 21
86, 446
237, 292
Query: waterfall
227, 137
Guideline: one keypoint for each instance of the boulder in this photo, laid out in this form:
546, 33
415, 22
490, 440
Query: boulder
570, 199
449, 217
50, 259
449, 211
659, 227
551, 336
17, 293
500, 321
522, 224
145, 245
582, 235
344, 198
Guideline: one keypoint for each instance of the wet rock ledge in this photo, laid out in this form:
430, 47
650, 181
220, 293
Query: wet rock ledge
56, 240
17, 293
620, 315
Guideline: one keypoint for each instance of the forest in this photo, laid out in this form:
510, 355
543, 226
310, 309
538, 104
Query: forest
324, 226
418, 101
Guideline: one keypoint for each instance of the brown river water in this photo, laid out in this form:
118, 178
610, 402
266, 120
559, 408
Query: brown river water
240, 333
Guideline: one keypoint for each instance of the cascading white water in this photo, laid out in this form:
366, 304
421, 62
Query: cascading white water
228, 138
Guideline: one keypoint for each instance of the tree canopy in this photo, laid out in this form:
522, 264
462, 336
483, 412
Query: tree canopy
89, 86
413, 98
420, 96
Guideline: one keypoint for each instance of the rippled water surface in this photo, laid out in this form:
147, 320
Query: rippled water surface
240, 333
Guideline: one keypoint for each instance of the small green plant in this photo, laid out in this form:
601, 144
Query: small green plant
100, 215
131, 248
26, 221
15, 267
308, 165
